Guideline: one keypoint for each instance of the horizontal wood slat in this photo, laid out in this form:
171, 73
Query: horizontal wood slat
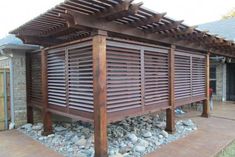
34, 84
123, 79
156, 77
70, 77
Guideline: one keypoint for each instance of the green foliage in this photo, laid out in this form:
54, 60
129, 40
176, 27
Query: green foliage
229, 14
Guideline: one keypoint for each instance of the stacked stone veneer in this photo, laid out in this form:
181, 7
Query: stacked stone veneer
19, 79
219, 82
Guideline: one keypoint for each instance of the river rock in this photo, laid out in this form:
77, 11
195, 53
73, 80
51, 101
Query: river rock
164, 133
37, 126
60, 128
81, 142
27, 127
147, 134
132, 137
188, 123
140, 149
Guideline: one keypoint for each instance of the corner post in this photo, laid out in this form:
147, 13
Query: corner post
206, 103
28, 83
45, 114
100, 93
170, 112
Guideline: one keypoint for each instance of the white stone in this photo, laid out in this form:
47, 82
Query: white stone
132, 137
27, 127
142, 142
188, 123
140, 149
51, 135
164, 133
148, 134
37, 126
81, 142
60, 128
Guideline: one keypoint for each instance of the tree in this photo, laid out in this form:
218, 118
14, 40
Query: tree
229, 14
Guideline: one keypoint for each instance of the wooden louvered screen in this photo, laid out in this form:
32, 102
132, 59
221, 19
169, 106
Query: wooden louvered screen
198, 77
70, 79
80, 74
156, 77
189, 78
56, 77
182, 77
34, 79
123, 79
137, 79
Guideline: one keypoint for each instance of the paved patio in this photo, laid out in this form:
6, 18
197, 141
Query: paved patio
15, 144
212, 136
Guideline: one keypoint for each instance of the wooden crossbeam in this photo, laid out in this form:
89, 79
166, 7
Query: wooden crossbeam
152, 19
196, 37
123, 9
69, 19
166, 27
42, 40
186, 32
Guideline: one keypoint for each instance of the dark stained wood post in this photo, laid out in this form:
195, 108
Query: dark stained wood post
47, 122
100, 94
28, 84
170, 113
206, 103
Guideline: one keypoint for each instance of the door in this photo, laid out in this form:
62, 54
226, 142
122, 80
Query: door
231, 82
4, 98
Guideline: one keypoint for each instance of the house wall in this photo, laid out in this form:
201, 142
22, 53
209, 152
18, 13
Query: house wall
19, 85
221, 80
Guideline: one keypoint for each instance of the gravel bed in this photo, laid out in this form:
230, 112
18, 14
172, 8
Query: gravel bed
132, 137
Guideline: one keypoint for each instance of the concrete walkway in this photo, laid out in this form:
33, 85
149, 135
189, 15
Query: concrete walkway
15, 144
212, 136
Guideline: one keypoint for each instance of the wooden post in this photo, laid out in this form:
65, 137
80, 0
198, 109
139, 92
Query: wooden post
206, 103
100, 94
170, 113
47, 122
28, 83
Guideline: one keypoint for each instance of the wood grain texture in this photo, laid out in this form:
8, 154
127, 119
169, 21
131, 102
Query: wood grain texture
170, 113
100, 95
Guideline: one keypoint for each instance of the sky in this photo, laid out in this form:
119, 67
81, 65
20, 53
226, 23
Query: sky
14, 13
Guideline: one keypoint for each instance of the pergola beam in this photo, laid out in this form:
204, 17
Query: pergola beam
128, 31
120, 10
152, 19
166, 27
45, 41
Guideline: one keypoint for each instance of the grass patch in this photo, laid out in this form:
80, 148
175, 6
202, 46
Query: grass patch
229, 151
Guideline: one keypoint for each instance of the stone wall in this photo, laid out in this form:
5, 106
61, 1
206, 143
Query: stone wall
19, 94
19, 77
220, 82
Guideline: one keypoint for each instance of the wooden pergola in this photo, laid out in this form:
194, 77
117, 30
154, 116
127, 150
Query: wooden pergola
104, 60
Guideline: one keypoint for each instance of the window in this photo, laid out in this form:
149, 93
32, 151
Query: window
213, 78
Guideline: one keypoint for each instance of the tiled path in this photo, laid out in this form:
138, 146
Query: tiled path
213, 134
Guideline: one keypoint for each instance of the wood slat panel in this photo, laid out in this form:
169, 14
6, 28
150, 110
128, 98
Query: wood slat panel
81, 86
156, 77
198, 76
56, 77
123, 79
34, 86
182, 76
